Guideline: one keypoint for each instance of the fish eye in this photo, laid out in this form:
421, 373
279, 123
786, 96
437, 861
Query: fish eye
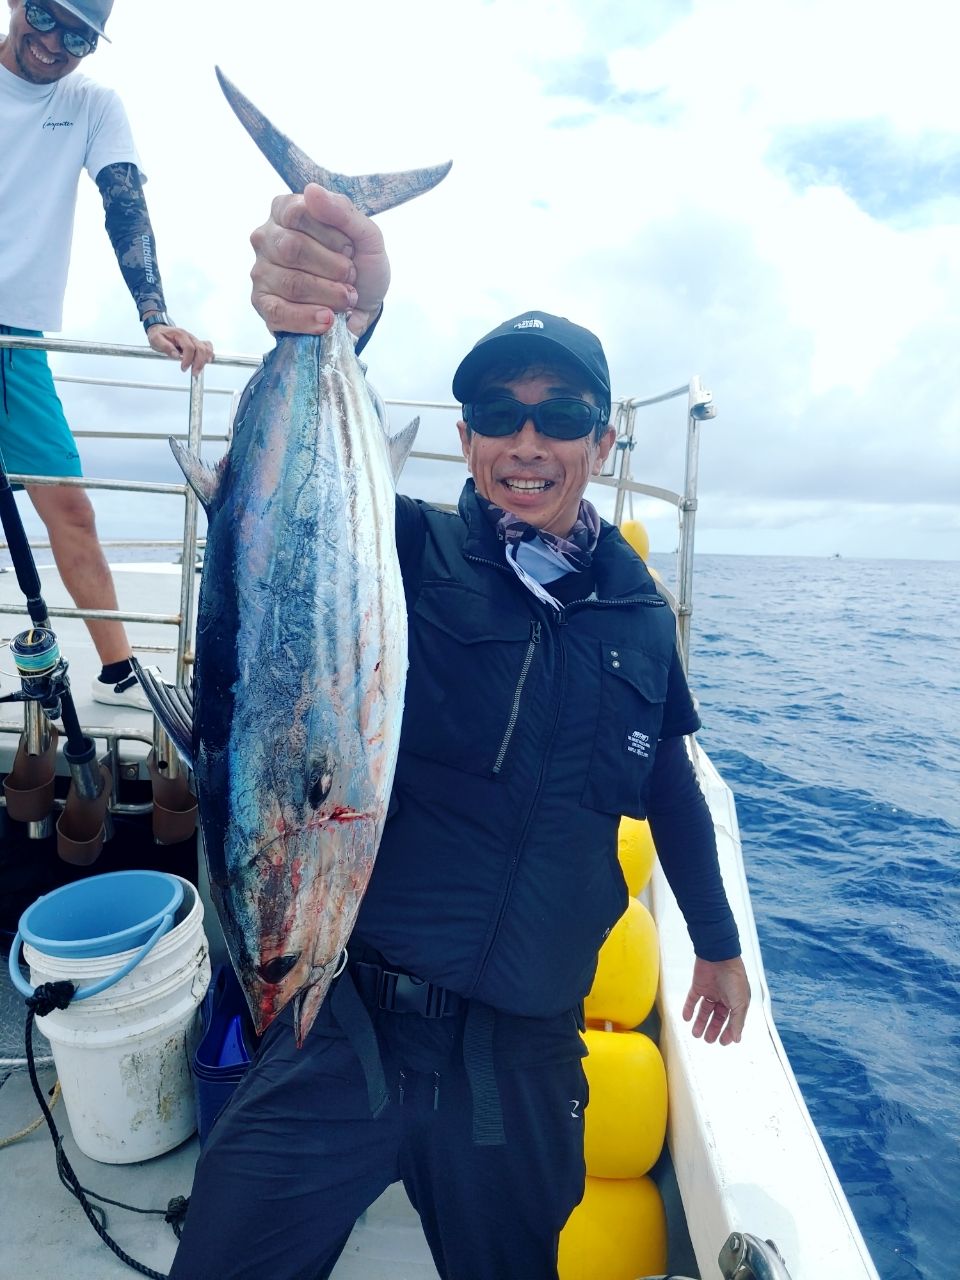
321, 780
274, 971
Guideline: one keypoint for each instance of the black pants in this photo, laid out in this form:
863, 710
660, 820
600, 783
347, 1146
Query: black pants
296, 1157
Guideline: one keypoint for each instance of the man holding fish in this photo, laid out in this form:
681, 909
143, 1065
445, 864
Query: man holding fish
544, 699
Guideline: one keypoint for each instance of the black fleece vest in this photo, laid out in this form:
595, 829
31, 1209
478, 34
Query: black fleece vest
526, 733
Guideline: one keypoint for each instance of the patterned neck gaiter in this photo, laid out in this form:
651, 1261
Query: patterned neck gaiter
538, 557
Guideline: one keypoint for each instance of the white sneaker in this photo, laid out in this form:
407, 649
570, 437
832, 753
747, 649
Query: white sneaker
126, 692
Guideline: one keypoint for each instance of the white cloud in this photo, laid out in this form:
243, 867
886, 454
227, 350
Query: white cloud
617, 164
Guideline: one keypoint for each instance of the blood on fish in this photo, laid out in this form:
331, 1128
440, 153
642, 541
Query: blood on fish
342, 814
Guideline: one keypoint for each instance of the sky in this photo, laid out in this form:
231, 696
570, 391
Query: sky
765, 193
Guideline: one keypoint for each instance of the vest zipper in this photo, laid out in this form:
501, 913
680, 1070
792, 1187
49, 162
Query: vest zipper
649, 602
517, 694
505, 897
494, 564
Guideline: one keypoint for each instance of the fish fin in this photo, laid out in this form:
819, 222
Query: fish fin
173, 707
306, 1006
400, 446
204, 480
379, 406
371, 193
307, 1001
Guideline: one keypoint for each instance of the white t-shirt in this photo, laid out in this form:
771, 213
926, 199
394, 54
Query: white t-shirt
48, 134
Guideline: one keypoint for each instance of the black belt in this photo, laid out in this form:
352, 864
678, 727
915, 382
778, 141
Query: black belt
367, 984
403, 993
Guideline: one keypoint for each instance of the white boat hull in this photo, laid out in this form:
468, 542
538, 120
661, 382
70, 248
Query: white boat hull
746, 1152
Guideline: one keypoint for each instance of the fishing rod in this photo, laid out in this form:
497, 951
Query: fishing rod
36, 653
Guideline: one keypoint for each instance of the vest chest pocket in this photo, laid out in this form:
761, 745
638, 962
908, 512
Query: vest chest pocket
633, 688
472, 670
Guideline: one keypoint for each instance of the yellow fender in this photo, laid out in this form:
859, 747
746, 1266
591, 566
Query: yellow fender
636, 851
634, 532
618, 1231
625, 1121
628, 970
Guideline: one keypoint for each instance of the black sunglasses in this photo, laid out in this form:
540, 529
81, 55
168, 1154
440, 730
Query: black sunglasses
77, 45
564, 419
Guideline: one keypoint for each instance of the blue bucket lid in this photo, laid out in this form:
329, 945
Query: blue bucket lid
102, 914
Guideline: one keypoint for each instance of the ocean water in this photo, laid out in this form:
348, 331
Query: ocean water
829, 696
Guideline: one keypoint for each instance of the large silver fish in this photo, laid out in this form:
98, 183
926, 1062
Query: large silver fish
301, 647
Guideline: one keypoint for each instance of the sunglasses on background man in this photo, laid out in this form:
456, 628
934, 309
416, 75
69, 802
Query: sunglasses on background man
76, 43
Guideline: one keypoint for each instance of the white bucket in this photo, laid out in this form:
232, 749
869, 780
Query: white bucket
123, 1057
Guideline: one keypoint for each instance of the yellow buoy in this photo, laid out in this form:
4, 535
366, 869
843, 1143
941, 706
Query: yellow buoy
636, 851
628, 969
626, 1116
634, 533
618, 1231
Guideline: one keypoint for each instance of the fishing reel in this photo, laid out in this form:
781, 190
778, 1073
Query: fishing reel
42, 670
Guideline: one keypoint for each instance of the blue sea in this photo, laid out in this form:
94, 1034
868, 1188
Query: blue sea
829, 698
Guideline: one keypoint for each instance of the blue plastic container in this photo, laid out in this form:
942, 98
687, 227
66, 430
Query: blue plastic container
102, 915
227, 1046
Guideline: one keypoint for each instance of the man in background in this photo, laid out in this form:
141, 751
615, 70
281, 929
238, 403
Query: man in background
53, 124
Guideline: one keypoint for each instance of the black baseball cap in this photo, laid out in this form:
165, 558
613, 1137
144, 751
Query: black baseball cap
535, 337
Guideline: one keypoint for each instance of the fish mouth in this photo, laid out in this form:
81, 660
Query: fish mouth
275, 970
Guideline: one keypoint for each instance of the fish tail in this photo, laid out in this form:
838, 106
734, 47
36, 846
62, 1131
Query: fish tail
371, 193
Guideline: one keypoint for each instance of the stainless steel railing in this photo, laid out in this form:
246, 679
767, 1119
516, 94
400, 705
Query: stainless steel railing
617, 474
184, 618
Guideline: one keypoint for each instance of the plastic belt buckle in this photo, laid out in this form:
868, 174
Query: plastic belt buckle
402, 993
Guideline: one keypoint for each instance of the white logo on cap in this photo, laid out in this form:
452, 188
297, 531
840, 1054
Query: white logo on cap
533, 323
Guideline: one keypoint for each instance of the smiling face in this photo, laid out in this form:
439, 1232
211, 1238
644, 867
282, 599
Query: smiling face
35, 55
536, 477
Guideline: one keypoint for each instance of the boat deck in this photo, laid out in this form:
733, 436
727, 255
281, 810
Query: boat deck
47, 1236
45, 1226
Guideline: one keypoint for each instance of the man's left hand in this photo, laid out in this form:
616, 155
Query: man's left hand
721, 989
193, 353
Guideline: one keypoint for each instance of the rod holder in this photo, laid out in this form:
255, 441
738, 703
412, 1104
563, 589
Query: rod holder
29, 786
85, 822
174, 804
165, 755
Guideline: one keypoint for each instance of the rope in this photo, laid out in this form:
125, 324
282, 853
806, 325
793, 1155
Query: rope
57, 995
15, 1137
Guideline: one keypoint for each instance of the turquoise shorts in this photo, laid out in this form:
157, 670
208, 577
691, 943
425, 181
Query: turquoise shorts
34, 437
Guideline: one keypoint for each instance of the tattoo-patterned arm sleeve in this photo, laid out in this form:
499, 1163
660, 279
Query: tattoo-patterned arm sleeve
128, 226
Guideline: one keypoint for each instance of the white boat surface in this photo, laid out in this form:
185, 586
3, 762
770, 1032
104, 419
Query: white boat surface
744, 1157
746, 1152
